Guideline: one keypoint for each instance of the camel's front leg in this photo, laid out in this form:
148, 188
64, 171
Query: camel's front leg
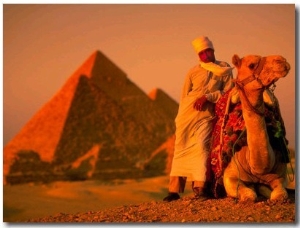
236, 188
279, 192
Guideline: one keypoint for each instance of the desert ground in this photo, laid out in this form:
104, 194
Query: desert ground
27, 201
63, 200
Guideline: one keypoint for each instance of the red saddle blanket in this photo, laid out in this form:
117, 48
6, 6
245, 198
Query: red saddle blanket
232, 128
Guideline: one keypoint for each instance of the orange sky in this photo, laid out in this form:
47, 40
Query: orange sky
44, 44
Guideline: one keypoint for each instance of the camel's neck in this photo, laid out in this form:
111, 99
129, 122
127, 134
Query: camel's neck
260, 157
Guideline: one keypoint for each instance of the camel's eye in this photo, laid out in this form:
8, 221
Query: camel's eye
251, 66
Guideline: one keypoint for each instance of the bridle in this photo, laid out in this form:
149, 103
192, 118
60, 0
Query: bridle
254, 76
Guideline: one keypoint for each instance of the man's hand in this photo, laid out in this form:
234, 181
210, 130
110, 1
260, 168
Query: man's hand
199, 103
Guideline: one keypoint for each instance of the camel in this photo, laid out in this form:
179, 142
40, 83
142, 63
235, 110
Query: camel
256, 167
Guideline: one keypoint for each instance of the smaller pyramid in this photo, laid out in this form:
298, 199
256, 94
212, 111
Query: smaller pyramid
164, 102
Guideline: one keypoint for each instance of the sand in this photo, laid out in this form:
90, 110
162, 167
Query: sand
27, 201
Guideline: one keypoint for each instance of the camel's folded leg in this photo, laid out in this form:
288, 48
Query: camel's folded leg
237, 189
279, 192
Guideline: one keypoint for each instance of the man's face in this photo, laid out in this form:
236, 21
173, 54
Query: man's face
207, 55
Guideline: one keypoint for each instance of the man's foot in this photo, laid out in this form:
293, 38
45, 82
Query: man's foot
199, 194
171, 196
200, 197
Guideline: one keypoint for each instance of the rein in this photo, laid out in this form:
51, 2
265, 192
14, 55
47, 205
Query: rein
255, 76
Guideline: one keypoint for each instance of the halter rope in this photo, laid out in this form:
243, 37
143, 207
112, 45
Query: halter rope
255, 76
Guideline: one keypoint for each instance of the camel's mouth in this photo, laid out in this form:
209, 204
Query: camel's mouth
282, 71
285, 68
282, 74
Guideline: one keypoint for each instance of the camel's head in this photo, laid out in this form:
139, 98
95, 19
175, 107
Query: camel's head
265, 70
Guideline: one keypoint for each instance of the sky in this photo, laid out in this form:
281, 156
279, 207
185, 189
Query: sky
43, 45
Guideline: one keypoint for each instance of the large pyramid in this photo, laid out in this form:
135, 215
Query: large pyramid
99, 125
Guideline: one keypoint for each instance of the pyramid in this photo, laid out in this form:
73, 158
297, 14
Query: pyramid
164, 102
98, 125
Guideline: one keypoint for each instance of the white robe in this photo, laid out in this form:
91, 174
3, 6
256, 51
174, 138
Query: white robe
193, 128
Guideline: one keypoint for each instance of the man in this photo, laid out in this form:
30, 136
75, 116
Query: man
204, 85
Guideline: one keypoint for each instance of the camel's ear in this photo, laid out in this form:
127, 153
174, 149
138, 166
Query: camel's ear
236, 61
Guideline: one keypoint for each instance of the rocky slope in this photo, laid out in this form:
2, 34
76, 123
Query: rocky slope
187, 210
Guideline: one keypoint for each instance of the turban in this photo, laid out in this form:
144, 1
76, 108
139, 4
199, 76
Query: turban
201, 43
